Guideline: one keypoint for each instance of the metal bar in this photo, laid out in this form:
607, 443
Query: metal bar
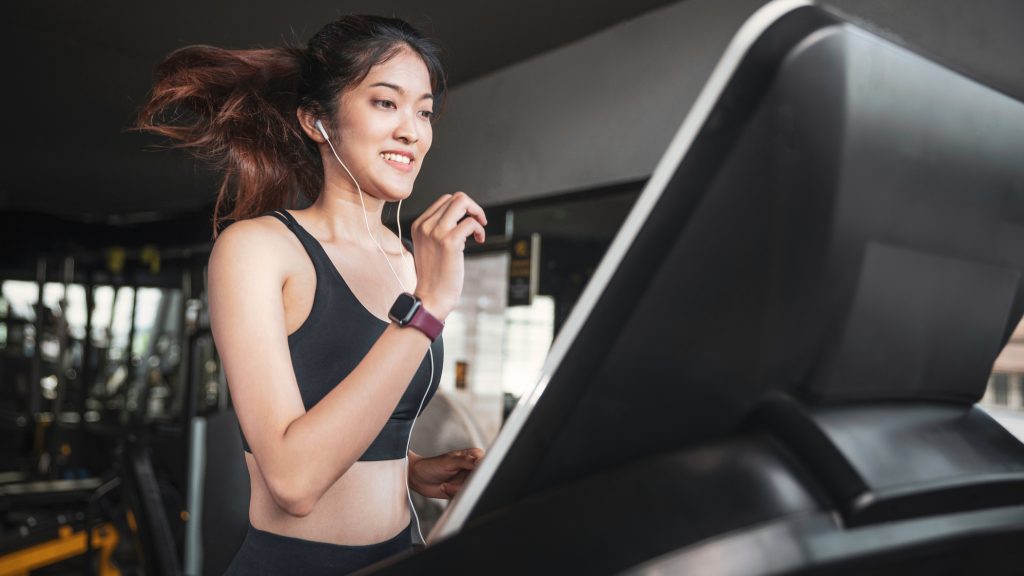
35, 398
196, 473
129, 362
63, 366
85, 374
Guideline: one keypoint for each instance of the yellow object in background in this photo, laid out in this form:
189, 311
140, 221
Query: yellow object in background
150, 255
67, 544
115, 259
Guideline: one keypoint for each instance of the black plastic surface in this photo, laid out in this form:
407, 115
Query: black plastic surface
620, 518
846, 228
885, 462
843, 225
975, 543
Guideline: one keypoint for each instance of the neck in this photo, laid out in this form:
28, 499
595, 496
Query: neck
342, 215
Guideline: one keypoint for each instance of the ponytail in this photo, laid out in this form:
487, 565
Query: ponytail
236, 109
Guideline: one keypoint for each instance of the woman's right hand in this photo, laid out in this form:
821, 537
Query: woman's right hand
440, 235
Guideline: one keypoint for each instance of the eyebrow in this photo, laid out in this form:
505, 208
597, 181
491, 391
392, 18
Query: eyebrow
400, 90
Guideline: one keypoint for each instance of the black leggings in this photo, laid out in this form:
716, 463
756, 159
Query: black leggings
263, 553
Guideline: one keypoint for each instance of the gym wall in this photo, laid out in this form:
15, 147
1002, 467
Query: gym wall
601, 110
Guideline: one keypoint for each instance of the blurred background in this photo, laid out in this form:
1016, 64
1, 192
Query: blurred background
114, 410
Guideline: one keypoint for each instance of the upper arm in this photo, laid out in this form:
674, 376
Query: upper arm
246, 275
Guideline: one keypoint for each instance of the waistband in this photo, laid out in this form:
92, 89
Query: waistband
404, 536
265, 553
268, 553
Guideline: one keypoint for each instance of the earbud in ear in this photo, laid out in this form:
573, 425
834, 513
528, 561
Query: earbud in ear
320, 127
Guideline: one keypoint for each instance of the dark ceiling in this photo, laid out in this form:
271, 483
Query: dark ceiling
74, 73
79, 70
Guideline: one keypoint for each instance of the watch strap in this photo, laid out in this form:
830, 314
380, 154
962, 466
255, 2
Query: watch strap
426, 322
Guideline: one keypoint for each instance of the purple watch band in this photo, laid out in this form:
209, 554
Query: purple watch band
426, 322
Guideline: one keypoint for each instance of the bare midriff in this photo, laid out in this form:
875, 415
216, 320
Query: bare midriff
368, 504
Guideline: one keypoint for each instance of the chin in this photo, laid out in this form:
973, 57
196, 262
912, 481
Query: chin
390, 194
393, 193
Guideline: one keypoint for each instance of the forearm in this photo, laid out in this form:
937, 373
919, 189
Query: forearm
318, 447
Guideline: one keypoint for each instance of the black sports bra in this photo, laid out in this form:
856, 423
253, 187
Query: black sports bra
335, 337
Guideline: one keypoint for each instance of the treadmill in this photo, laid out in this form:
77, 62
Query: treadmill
774, 369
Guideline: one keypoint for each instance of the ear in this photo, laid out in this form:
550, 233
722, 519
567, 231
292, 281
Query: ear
307, 121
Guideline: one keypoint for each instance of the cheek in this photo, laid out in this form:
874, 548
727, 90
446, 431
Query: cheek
427, 139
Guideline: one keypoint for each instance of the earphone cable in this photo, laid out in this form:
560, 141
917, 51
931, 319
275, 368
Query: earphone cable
430, 350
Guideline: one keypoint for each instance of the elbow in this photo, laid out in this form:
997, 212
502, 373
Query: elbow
295, 485
292, 497
297, 508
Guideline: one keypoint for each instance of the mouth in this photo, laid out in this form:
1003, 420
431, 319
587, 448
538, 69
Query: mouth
400, 160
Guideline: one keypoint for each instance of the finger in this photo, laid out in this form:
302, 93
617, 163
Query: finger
452, 488
461, 206
463, 464
466, 458
437, 206
457, 464
470, 227
434, 209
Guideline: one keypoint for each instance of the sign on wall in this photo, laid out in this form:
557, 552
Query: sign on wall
523, 270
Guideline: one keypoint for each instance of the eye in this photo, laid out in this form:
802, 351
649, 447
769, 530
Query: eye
429, 115
388, 104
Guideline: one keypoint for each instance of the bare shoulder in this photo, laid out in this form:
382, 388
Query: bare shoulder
263, 243
249, 265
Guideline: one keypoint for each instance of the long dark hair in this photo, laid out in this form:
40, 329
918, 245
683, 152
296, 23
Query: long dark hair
236, 108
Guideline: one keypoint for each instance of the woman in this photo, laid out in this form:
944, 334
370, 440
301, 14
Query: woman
324, 384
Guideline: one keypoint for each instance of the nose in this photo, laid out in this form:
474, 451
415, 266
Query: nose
407, 132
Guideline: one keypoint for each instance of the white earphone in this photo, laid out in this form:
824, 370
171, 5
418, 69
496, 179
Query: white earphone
319, 126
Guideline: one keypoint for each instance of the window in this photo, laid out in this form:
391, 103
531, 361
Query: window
1006, 385
1000, 387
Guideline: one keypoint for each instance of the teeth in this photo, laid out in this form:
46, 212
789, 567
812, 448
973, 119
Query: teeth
395, 157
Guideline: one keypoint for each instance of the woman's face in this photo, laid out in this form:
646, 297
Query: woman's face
384, 127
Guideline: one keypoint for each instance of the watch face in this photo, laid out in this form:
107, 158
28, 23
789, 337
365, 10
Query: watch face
403, 309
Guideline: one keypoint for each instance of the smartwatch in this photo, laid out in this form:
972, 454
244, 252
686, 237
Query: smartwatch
408, 310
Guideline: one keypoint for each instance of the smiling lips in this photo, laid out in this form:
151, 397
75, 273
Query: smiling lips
399, 160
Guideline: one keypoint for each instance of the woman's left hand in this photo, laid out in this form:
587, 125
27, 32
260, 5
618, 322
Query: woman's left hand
442, 476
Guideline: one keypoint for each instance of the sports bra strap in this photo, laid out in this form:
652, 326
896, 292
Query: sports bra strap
312, 247
283, 216
289, 221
